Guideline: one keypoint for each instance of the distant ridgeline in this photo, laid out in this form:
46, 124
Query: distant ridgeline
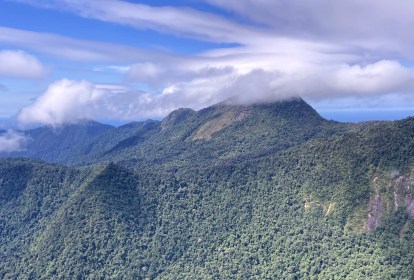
264, 191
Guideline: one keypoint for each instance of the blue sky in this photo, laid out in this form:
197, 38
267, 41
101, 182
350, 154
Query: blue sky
65, 60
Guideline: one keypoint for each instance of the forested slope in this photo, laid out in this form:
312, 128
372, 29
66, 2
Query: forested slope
268, 191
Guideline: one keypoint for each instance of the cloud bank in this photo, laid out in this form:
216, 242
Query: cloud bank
12, 141
69, 101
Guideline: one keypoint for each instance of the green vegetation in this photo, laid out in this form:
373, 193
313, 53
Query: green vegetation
262, 192
56, 144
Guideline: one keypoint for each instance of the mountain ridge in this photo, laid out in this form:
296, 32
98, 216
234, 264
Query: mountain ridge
180, 125
269, 191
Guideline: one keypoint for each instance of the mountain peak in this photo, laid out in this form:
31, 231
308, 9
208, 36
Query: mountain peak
290, 108
294, 106
286, 116
176, 117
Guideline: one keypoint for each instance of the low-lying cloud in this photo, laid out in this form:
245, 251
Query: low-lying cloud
64, 101
69, 101
12, 141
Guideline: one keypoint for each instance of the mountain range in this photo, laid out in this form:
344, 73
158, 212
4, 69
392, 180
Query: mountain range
261, 191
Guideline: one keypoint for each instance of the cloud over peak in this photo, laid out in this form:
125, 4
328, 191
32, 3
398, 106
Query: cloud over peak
64, 101
67, 101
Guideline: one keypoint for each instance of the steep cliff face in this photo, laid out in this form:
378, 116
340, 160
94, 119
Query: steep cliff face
404, 193
375, 210
410, 204
389, 194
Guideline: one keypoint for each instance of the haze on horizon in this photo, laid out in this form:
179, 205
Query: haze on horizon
65, 60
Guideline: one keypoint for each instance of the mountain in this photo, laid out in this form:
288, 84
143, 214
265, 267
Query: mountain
264, 191
220, 133
55, 144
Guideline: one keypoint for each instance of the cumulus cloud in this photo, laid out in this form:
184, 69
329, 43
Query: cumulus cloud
64, 101
313, 82
12, 141
69, 101
17, 63
375, 79
334, 81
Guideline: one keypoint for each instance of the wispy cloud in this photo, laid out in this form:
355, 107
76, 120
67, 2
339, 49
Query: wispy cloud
75, 49
378, 26
161, 75
185, 21
17, 63
3, 88
12, 141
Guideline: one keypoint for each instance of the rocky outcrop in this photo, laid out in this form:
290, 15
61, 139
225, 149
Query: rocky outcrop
389, 195
404, 193
410, 204
374, 213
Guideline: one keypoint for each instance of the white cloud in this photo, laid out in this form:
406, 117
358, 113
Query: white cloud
328, 81
186, 22
373, 25
157, 74
12, 141
64, 101
17, 63
69, 101
112, 68
309, 80
314, 82
374, 79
